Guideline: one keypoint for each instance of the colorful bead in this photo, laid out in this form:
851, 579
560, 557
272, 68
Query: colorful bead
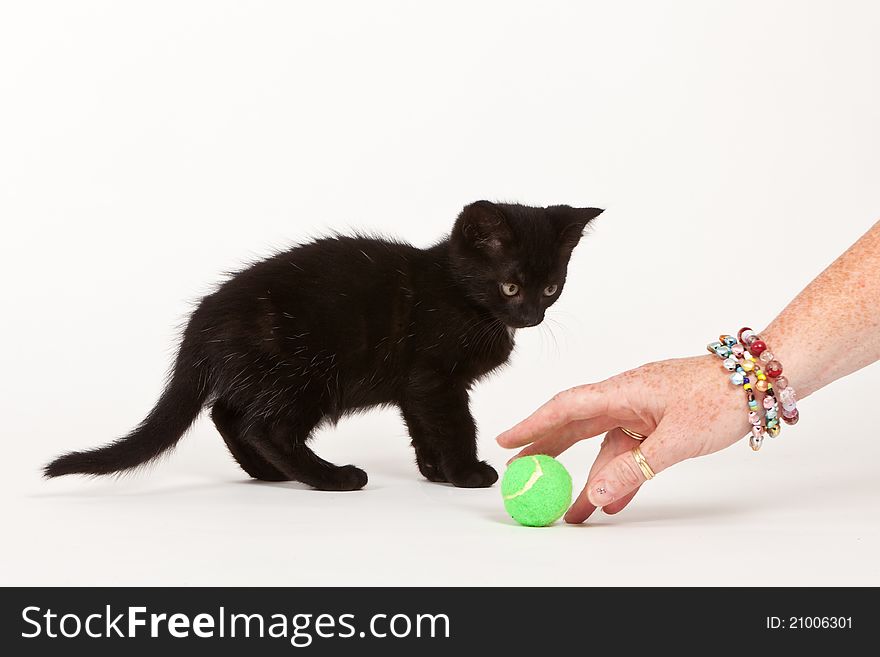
768, 402
728, 340
756, 439
722, 351
729, 364
788, 398
748, 365
737, 379
712, 346
758, 347
762, 384
790, 419
744, 335
754, 417
766, 356
737, 350
771, 414
781, 382
773, 431
761, 376
774, 369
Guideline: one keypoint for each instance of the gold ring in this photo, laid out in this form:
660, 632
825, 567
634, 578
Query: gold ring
633, 434
642, 463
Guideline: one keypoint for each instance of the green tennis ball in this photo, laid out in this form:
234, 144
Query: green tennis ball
536, 490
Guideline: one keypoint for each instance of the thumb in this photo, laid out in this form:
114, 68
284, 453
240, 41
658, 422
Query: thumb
622, 474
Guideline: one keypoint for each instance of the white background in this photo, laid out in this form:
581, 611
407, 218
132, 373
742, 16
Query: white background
147, 147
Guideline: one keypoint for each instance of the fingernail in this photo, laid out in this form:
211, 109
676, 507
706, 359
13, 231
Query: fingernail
600, 495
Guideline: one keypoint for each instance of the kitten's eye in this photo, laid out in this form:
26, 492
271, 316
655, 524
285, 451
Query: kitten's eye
550, 290
509, 289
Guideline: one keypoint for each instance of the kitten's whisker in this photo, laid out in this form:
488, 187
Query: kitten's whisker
555, 341
561, 326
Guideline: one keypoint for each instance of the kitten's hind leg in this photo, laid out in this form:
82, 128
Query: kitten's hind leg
286, 449
229, 423
311, 469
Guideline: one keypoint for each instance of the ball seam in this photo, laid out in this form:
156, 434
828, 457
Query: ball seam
533, 479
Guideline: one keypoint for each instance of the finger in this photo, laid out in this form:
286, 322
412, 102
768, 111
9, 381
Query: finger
578, 403
620, 505
556, 443
616, 442
622, 475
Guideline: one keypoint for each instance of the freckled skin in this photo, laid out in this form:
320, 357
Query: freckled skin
832, 328
829, 330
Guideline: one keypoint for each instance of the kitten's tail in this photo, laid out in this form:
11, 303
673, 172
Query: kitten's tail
173, 414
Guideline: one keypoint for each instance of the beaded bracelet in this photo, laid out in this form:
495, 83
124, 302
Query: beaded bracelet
779, 385
739, 356
741, 364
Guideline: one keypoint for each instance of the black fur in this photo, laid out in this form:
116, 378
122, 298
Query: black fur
345, 323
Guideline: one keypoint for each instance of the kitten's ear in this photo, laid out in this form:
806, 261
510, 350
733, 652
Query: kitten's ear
571, 222
483, 226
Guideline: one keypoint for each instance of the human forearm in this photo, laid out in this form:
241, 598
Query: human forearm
832, 328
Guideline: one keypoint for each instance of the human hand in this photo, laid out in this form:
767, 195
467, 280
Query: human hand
686, 407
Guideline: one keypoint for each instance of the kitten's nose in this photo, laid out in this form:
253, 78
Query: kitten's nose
531, 319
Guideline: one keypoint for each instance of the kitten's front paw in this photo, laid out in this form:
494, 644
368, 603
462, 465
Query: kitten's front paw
431, 472
471, 475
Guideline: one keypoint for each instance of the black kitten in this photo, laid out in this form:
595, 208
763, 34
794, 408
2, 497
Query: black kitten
350, 322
